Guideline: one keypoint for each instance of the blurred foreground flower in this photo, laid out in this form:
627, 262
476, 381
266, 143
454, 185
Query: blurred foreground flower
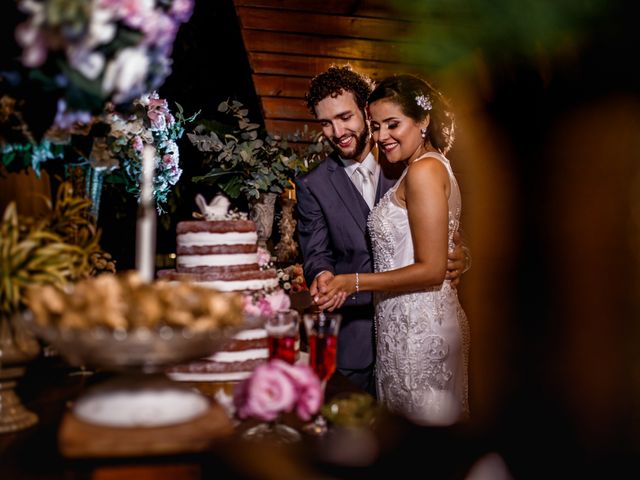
276, 387
94, 51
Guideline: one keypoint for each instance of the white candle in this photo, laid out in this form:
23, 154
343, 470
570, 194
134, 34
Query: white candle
146, 224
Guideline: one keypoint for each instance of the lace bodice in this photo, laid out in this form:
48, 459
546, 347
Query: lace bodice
422, 337
389, 224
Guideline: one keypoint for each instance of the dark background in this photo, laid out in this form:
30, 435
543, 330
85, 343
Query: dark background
552, 193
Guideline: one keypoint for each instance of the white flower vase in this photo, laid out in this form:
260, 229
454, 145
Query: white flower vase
87, 182
94, 179
262, 213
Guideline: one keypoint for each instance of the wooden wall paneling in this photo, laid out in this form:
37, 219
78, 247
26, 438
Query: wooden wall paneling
368, 8
280, 85
303, 66
320, 46
285, 127
288, 42
323, 24
286, 108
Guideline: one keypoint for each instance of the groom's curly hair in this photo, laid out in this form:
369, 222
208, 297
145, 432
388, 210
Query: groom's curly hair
335, 81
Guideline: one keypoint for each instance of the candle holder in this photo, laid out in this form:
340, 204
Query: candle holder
287, 248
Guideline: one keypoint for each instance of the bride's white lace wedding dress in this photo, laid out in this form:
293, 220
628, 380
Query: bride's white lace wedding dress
422, 337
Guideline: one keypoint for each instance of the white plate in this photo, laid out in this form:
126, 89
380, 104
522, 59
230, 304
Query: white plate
140, 407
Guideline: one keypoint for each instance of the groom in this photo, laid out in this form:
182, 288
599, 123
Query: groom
332, 212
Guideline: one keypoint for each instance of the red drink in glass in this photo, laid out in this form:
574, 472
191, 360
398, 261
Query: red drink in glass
322, 355
283, 348
282, 334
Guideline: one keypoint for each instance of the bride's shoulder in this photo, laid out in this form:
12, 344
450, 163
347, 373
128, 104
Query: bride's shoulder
427, 164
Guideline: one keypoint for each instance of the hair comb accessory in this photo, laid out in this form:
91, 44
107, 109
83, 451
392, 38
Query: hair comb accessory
424, 102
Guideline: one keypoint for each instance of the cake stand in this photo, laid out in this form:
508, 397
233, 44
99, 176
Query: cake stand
140, 394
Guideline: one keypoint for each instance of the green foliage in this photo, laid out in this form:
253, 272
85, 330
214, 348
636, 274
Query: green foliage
52, 250
452, 32
20, 156
248, 161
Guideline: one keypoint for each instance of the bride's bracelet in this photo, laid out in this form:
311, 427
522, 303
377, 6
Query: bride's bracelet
467, 259
357, 283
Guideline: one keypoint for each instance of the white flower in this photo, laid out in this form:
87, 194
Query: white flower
125, 72
88, 63
215, 210
424, 102
102, 28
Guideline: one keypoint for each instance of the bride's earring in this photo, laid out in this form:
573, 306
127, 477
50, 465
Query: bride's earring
423, 132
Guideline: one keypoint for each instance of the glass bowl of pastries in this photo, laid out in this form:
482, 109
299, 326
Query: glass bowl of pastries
118, 322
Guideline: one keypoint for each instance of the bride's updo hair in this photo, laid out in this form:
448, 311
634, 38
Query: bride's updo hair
417, 99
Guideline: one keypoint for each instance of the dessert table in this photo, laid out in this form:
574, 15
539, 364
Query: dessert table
49, 389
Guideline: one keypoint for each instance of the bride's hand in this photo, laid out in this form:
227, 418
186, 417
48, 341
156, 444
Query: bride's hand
323, 297
337, 290
330, 301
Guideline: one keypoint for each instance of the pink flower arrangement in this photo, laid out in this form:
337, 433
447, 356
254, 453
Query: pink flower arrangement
276, 387
261, 304
149, 123
264, 258
291, 278
101, 50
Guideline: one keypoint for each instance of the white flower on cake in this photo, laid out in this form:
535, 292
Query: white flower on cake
216, 210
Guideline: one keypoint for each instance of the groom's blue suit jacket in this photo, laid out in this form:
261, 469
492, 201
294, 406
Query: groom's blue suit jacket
333, 236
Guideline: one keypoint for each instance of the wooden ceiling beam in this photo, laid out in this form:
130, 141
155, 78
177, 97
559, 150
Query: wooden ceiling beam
285, 109
289, 127
349, 49
304, 66
280, 86
363, 8
323, 24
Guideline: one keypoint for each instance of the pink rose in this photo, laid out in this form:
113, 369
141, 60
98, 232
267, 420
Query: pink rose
182, 9
265, 394
264, 257
308, 388
169, 119
265, 307
137, 144
278, 300
250, 307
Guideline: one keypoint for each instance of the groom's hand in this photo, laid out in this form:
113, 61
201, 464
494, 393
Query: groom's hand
319, 287
455, 261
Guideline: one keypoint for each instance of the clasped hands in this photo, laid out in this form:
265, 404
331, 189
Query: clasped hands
329, 291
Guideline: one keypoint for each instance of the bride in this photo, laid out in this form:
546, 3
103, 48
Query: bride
421, 330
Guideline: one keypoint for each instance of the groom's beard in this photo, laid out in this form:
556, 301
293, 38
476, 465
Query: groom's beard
361, 143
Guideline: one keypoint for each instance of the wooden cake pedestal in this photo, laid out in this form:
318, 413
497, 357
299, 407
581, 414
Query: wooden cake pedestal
78, 439
116, 453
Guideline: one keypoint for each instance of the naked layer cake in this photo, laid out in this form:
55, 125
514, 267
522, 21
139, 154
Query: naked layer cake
220, 251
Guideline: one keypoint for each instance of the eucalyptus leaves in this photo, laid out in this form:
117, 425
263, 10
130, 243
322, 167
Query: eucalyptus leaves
247, 161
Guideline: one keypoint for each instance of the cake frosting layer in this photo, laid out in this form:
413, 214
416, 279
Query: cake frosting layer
189, 239
217, 226
209, 366
240, 355
226, 281
208, 377
234, 286
216, 260
215, 249
251, 334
